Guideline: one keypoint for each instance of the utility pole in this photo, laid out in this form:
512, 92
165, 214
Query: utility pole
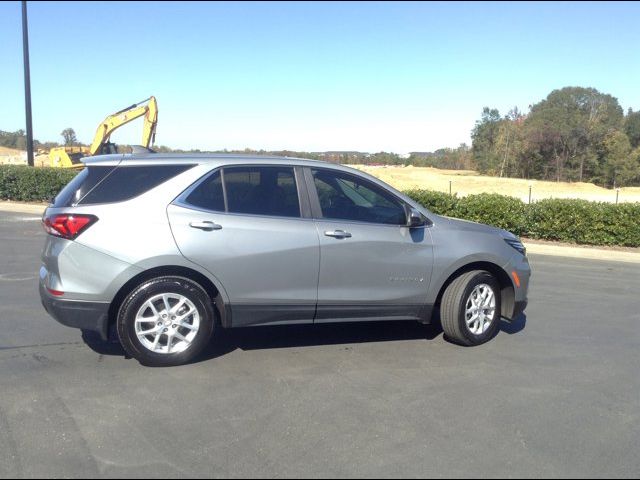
27, 83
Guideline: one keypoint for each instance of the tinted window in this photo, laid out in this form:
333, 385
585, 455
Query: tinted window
208, 194
262, 191
345, 197
81, 184
125, 183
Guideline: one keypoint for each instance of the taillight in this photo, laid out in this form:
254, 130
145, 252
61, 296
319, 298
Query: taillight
68, 226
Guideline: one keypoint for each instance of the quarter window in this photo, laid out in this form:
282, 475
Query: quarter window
209, 194
125, 183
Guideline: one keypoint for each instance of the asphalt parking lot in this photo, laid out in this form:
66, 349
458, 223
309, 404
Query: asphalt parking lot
555, 394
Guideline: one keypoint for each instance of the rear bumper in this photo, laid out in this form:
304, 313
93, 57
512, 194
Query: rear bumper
92, 316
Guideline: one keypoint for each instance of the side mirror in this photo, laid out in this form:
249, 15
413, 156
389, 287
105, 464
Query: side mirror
415, 218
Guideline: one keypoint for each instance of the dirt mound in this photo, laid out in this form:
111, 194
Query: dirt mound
11, 151
464, 182
12, 156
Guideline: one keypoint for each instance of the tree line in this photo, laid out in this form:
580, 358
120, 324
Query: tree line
575, 134
18, 140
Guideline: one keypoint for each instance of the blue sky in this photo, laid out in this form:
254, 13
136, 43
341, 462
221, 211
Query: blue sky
309, 76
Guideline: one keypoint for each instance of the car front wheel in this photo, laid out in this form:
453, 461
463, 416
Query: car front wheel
470, 308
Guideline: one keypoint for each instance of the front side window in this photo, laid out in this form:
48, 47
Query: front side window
346, 197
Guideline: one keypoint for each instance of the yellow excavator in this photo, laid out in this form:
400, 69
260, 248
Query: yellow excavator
71, 157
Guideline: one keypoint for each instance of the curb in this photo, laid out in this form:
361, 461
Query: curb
587, 253
17, 207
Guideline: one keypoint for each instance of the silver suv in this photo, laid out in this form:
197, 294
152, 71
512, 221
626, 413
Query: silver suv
166, 249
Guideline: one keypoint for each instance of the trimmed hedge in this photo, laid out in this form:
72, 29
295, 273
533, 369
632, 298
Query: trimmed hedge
28, 184
566, 220
581, 221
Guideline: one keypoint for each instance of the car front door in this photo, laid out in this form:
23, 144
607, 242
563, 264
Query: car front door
247, 227
372, 265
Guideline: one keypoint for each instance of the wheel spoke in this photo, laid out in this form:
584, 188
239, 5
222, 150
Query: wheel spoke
153, 308
484, 294
179, 336
177, 306
146, 319
489, 299
188, 325
156, 341
180, 318
149, 332
169, 342
167, 306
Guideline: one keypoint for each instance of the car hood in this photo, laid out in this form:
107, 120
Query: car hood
469, 226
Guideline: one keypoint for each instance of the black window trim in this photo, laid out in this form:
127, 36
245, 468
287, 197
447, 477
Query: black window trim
301, 189
315, 200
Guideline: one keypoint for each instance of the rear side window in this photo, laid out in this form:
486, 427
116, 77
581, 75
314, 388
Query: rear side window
253, 190
262, 191
81, 184
125, 183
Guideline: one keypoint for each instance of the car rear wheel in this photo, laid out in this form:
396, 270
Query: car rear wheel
165, 321
470, 308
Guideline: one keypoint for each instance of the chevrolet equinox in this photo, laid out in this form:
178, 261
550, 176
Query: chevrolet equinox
167, 249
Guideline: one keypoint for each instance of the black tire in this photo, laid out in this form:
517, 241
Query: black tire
145, 291
453, 307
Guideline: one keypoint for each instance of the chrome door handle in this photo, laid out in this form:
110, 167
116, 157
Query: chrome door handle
338, 234
206, 226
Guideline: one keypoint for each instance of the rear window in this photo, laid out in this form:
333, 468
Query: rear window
125, 183
81, 184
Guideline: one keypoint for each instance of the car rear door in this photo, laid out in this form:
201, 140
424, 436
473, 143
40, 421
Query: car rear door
372, 266
248, 226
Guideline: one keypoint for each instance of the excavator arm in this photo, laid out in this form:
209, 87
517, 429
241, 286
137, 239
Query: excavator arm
148, 108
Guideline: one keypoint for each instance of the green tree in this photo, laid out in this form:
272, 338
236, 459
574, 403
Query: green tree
485, 136
69, 136
566, 129
508, 142
632, 127
17, 139
621, 167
